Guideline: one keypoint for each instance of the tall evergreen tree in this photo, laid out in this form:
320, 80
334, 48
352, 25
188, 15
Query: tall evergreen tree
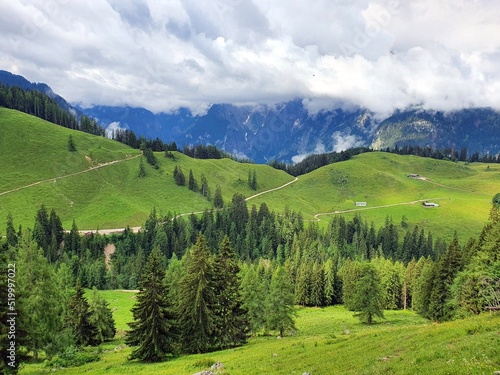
254, 292
79, 319
37, 293
10, 232
368, 299
280, 309
192, 184
153, 331
195, 307
101, 317
440, 308
71, 144
231, 321
218, 200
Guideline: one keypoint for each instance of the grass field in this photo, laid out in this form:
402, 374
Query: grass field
403, 343
114, 196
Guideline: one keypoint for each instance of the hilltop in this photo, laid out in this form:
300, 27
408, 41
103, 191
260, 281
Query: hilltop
113, 196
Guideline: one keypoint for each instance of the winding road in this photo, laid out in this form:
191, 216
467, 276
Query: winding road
54, 179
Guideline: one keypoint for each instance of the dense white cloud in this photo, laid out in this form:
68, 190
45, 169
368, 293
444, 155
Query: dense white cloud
378, 54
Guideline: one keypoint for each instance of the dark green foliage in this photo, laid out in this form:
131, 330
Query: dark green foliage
496, 200
142, 169
101, 317
252, 179
37, 292
192, 184
231, 322
195, 307
280, 309
440, 308
153, 331
218, 200
79, 319
254, 291
10, 231
205, 190
367, 299
71, 144
150, 157
179, 177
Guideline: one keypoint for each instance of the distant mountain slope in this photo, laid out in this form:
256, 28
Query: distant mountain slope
10, 79
33, 150
288, 132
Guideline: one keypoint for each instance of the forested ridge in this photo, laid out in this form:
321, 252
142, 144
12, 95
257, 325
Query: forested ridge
207, 283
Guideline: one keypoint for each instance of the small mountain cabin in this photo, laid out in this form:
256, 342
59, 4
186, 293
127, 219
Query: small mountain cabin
430, 204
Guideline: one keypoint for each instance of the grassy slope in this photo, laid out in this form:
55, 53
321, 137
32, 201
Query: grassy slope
112, 196
380, 179
115, 197
404, 343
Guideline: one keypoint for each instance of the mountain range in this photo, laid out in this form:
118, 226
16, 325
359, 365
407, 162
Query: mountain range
289, 132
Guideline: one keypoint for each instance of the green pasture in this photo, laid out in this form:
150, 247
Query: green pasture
328, 341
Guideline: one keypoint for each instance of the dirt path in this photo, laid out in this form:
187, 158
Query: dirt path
136, 229
316, 217
54, 179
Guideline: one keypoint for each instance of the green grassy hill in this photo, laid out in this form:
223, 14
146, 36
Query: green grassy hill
113, 196
403, 343
380, 179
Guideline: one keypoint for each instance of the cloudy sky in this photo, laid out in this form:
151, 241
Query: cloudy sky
163, 54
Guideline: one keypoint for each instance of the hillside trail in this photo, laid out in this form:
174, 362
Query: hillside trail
54, 179
316, 217
136, 229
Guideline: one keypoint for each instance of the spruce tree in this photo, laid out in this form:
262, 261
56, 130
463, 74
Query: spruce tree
280, 309
71, 144
11, 231
142, 169
101, 317
192, 184
218, 200
231, 320
440, 308
195, 307
368, 299
254, 292
79, 321
153, 331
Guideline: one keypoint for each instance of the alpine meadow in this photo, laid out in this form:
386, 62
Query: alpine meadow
247, 187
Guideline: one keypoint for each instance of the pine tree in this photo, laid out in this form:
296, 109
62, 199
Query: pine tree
142, 169
192, 184
368, 298
303, 284
71, 144
205, 190
153, 331
179, 177
79, 321
231, 320
101, 317
280, 309
440, 308
195, 307
10, 232
317, 292
218, 200
36, 293
254, 292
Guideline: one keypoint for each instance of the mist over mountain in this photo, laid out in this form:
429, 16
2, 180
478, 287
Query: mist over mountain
289, 132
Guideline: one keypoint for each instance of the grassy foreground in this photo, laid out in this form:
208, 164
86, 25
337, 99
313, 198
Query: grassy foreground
403, 343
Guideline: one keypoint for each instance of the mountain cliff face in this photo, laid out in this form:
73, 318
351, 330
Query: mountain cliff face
288, 132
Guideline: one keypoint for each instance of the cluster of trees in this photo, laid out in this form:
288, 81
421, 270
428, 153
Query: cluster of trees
449, 153
40, 105
51, 315
265, 263
315, 161
252, 179
203, 188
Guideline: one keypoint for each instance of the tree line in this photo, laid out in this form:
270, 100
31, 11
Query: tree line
242, 271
